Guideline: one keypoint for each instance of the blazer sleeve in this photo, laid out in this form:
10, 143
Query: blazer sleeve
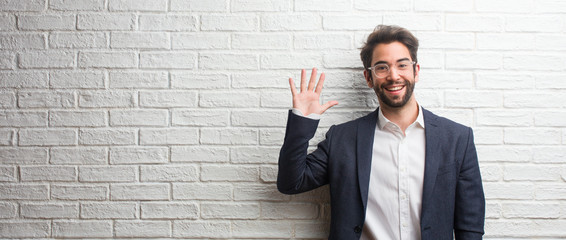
298, 171
470, 201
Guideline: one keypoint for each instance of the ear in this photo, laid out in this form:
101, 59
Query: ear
417, 72
367, 76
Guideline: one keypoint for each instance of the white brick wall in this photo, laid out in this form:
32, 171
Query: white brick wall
164, 118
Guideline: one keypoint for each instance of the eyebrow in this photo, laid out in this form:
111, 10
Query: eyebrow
400, 60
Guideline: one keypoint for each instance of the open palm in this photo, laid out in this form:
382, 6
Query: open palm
308, 100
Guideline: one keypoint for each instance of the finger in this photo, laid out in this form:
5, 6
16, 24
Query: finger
303, 82
293, 88
320, 83
328, 105
312, 80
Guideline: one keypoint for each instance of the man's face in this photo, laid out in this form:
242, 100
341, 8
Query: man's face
396, 88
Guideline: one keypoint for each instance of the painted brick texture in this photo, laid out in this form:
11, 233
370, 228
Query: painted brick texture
157, 119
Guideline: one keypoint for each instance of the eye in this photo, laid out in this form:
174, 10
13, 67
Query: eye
381, 67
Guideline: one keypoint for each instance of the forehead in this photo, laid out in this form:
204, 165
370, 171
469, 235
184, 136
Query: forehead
390, 52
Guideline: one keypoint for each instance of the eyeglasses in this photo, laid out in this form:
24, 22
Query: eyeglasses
381, 70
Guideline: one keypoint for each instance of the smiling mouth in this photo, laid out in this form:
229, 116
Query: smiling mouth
394, 89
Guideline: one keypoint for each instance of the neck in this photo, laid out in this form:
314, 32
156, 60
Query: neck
402, 116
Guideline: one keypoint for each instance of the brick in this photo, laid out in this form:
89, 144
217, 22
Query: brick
77, 118
291, 22
431, 59
85, 5
169, 173
261, 41
199, 229
550, 42
271, 137
202, 191
531, 173
229, 136
137, 155
268, 174
139, 40
506, 41
134, 79
504, 154
262, 118
549, 154
550, 192
199, 5
509, 118
7, 100
110, 22
46, 99
82, 229
441, 40
505, 6
381, 5
414, 22
7, 60
200, 117
168, 99
168, 23
7, 22
8, 210
474, 99
138, 117
59, 59
290, 60
322, 41
488, 135
199, 154
49, 210
79, 192
20, 41
24, 229
107, 136
491, 173
142, 229
139, 191
486, 80
267, 79
15, 5
169, 136
47, 22
525, 62
48, 173
77, 80
24, 156
170, 60
550, 6
266, 192
276, 99
531, 100
260, 6
550, 119
444, 5
169, 210
534, 24
314, 229
276, 210
224, 61
356, 22
527, 228
326, 6
108, 174
79, 156
77, 40
47, 137
229, 23
138, 5
255, 154
509, 191
188, 80
109, 210
228, 99
7, 174
229, 173
225, 210
24, 192
107, 60
277, 229
200, 40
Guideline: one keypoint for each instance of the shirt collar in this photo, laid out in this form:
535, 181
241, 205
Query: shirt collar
382, 121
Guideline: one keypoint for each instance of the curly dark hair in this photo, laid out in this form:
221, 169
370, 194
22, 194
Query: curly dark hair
388, 34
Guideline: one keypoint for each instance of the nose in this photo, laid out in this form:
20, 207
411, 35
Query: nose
393, 74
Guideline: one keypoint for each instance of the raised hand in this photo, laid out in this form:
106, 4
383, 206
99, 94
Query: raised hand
308, 100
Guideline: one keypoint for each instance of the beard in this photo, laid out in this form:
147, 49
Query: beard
394, 101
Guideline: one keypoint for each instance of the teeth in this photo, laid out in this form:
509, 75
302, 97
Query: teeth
395, 88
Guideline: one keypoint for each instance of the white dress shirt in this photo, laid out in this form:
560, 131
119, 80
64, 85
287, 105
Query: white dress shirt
396, 181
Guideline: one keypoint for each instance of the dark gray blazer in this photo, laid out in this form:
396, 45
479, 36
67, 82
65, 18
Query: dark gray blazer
453, 202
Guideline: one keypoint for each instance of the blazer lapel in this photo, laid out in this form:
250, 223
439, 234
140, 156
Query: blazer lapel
365, 135
432, 154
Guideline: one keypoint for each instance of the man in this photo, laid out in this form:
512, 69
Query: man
400, 172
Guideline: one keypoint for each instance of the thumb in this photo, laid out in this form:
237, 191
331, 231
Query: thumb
328, 105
